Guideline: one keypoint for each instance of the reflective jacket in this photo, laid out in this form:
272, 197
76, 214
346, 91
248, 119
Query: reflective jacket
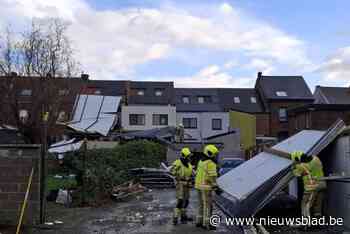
180, 171
311, 173
206, 175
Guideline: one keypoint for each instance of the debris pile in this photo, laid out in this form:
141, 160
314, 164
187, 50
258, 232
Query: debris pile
154, 178
127, 190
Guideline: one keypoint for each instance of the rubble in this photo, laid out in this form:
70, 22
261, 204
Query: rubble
127, 190
154, 178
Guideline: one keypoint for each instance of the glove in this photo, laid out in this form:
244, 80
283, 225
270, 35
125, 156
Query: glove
218, 191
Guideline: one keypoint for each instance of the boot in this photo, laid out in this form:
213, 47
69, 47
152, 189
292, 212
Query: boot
176, 215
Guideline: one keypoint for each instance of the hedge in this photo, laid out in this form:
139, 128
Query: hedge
108, 167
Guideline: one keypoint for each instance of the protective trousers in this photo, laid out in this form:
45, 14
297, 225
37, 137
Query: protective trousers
312, 202
182, 197
204, 207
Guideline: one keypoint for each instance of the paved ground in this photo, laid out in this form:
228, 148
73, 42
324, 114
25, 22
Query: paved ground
149, 213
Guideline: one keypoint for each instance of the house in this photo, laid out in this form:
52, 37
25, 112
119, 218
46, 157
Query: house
331, 103
148, 105
278, 93
332, 95
200, 112
317, 116
246, 101
23, 93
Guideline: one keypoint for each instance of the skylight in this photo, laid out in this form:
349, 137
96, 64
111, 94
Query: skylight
281, 93
236, 99
253, 99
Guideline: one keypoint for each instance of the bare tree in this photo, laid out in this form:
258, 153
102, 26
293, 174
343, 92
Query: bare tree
33, 64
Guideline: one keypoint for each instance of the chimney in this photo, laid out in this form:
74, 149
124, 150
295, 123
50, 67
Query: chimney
84, 76
13, 74
259, 75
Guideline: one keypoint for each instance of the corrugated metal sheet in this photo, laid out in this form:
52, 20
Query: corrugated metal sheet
95, 113
302, 141
246, 178
251, 185
65, 146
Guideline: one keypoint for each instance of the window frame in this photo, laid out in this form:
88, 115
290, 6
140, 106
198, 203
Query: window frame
190, 119
253, 100
185, 97
281, 93
158, 90
236, 100
280, 118
212, 124
160, 116
143, 123
26, 92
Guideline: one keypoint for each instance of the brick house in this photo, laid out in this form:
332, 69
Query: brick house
26, 90
277, 94
331, 103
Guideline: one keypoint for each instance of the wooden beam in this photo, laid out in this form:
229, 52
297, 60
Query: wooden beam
278, 153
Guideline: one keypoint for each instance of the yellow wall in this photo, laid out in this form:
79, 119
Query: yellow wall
246, 123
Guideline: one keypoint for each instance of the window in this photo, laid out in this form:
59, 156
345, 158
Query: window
61, 116
159, 119
281, 93
63, 92
253, 99
203, 99
237, 100
23, 115
216, 124
140, 92
137, 119
282, 114
185, 99
189, 122
26, 92
158, 92
200, 99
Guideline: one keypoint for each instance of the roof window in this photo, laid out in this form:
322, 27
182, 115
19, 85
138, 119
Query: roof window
281, 93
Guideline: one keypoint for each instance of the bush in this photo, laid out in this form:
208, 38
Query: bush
108, 167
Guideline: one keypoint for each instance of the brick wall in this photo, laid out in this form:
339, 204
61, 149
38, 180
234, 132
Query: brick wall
262, 124
16, 162
276, 126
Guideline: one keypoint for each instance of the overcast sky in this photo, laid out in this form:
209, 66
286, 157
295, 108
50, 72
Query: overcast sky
201, 43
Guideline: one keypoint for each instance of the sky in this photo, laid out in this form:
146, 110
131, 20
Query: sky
200, 43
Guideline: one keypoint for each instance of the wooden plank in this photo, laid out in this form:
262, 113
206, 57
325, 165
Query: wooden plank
278, 153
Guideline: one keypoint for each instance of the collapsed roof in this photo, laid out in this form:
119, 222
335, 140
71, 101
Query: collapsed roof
95, 114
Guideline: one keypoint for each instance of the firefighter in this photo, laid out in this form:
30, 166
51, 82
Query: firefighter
182, 169
205, 183
310, 169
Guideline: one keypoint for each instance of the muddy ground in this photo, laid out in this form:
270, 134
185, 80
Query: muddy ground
147, 213
150, 212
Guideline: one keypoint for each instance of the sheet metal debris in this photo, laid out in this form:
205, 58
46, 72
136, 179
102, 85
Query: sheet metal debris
95, 113
250, 186
154, 178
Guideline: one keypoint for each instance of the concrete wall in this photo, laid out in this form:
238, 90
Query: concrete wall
16, 162
148, 110
204, 123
